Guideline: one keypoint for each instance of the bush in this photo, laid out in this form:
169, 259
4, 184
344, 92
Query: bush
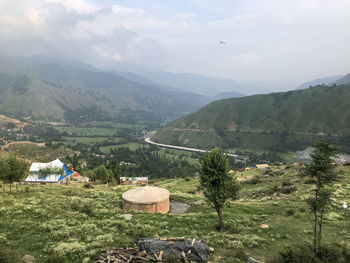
290, 212
288, 189
333, 253
8, 255
88, 185
82, 207
287, 183
255, 180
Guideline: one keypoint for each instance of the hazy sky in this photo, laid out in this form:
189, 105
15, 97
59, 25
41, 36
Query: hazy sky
266, 40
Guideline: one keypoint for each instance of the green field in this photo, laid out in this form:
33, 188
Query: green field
131, 145
88, 140
73, 224
170, 153
87, 131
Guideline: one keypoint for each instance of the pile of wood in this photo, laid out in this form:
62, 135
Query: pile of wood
122, 255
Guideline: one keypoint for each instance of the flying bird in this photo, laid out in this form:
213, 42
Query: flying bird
222, 42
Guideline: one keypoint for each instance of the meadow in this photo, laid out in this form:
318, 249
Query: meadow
74, 224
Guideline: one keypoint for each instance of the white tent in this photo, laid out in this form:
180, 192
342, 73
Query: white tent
35, 168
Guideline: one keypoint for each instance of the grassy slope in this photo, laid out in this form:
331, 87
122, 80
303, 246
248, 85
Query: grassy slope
258, 121
70, 223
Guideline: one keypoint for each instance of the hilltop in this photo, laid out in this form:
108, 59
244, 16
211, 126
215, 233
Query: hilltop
280, 121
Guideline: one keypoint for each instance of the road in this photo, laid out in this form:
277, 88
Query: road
148, 140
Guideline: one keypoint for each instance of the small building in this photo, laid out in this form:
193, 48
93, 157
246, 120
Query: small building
261, 166
134, 180
148, 199
59, 173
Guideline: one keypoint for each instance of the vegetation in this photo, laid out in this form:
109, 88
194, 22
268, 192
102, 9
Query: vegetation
322, 170
280, 122
80, 94
59, 223
218, 186
12, 170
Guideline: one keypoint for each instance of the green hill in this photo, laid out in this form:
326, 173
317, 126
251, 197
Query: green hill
278, 121
58, 91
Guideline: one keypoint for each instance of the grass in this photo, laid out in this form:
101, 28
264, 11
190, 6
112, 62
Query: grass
87, 131
38, 153
73, 224
87, 140
131, 145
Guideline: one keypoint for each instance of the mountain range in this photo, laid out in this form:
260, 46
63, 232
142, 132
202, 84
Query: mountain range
59, 89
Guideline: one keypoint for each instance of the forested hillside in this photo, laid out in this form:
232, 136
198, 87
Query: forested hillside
277, 121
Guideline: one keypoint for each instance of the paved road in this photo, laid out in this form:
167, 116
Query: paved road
148, 140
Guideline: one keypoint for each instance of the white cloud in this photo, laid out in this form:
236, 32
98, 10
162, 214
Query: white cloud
79, 6
295, 39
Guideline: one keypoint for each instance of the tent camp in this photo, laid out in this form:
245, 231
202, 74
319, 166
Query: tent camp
58, 173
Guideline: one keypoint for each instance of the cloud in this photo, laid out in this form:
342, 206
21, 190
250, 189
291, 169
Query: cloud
291, 40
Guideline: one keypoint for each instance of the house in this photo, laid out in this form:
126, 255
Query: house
134, 180
57, 173
261, 166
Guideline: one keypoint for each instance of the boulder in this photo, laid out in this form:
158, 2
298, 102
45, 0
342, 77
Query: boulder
181, 248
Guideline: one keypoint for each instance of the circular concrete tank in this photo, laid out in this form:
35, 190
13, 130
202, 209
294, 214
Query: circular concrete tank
148, 199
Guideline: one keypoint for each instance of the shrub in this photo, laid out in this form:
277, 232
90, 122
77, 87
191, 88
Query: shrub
82, 207
288, 189
304, 253
302, 209
8, 255
287, 183
88, 185
255, 180
290, 212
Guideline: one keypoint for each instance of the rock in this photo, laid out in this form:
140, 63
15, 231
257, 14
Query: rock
252, 260
126, 216
265, 226
28, 259
275, 196
178, 208
184, 249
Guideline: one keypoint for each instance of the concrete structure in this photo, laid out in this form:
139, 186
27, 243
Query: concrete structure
59, 175
148, 199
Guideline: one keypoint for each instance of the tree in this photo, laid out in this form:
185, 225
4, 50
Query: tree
102, 174
4, 169
16, 170
322, 170
218, 185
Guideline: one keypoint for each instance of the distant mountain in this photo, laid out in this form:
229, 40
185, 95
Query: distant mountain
342, 81
321, 81
47, 88
200, 84
281, 121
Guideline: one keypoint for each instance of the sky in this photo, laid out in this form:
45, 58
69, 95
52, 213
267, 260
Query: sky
284, 41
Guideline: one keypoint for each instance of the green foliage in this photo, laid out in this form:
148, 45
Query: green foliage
101, 174
303, 253
218, 186
8, 255
12, 170
322, 170
50, 170
280, 122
